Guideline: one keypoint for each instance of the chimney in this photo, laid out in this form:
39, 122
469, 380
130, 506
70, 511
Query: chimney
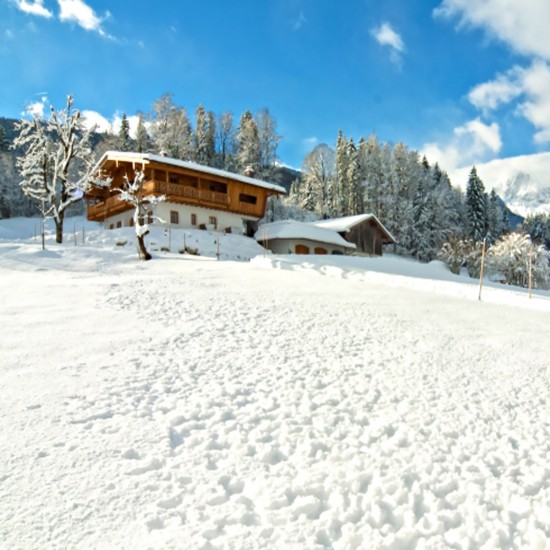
249, 171
163, 153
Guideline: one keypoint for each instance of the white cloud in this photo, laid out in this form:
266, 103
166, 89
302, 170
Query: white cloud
93, 118
521, 25
104, 125
491, 95
536, 108
8, 34
470, 144
34, 8
36, 109
132, 121
386, 36
529, 86
80, 13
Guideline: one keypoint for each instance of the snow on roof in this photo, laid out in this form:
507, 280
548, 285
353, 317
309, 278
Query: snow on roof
343, 225
149, 157
291, 229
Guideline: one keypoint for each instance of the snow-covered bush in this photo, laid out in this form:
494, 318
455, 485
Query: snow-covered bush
508, 260
462, 253
454, 253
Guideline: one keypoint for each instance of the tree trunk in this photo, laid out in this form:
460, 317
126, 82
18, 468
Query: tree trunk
59, 229
143, 254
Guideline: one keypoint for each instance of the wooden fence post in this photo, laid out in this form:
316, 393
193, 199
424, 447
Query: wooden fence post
530, 270
481, 269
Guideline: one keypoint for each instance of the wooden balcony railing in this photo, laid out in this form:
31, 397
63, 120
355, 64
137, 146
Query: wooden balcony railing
108, 207
187, 192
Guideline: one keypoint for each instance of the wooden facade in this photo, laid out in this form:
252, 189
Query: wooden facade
180, 182
364, 230
368, 236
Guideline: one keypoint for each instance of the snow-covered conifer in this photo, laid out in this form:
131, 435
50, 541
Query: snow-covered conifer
124, 141
355, 196
4, 141
143, 141
318, 169
248, 153
171, 129
476, 206
268, 139
203, 149
341, 184
225, 142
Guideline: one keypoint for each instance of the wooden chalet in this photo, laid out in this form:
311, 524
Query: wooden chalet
364, 230
195, 195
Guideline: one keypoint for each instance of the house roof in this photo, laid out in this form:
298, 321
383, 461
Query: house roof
345, 224
291, 229
146, 158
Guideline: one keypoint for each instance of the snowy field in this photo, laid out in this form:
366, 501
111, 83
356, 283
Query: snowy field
282, 403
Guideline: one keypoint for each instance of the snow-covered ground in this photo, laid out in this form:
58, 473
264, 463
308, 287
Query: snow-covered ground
286, 402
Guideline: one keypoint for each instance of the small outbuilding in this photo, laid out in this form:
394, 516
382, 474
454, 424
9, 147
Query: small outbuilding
292, 237
364, 230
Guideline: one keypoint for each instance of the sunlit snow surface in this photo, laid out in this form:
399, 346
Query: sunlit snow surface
287, 402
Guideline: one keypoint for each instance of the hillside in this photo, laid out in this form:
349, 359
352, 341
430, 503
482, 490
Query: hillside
281, 403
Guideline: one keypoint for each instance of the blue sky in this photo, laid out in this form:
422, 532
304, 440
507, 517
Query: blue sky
463, 80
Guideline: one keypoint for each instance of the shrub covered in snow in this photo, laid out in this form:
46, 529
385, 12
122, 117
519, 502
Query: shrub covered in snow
508, 259
462, 253
453, 253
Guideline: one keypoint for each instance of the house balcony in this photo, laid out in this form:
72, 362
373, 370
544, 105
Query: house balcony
106, 208
186, 194
176, 193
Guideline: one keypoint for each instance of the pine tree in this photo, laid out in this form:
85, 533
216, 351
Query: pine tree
4, 142
55, 161
171, 129
423, 235
354, 204
248, 153
476, 207
211, 139
201, 132
225, 143
143, 141
341, 187
124, 141
494, 218
372, 170
268, 142
318, 168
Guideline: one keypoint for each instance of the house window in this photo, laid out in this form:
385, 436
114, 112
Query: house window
149, 217
193, 219
173, 178
112, 226
213, 221
250, 199
218, 187
301, 249
131, 222
118, 225
174, 217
